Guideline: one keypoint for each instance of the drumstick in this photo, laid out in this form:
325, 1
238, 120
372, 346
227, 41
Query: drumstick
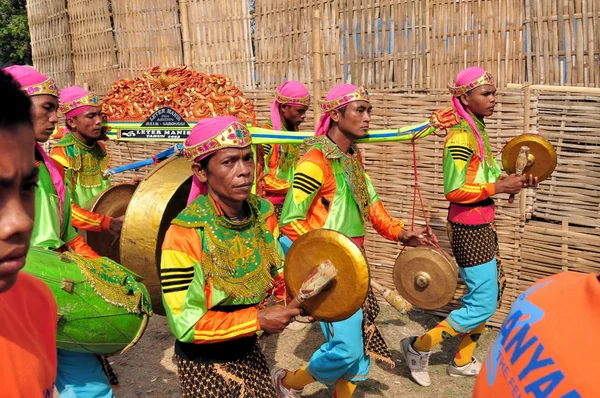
393, 297
314, 283
520, 165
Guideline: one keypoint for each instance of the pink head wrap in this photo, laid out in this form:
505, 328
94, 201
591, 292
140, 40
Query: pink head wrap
34, 83
289, 93
207, 137
339, 96
75, 100
467, 80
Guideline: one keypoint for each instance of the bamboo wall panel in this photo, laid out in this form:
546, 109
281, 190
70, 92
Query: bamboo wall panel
283, 42
220, 38
51, 39
573, 192
94, 52
565, 42
147, 34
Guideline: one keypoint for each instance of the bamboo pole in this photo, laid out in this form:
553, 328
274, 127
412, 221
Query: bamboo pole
185, 33
559, 89
317, 54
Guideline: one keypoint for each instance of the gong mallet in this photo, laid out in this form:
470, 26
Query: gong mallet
393, 298
521, 163
314, 284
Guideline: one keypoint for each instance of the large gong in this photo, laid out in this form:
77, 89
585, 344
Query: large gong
158, 199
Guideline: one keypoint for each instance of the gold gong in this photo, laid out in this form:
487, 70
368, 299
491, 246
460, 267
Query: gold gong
541, 161
425, 277
113, 203
347, 292
156, 202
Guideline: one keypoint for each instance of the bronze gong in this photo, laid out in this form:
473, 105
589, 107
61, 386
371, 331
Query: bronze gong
541, 160
347, 292
159, 198
112, 202
425, 277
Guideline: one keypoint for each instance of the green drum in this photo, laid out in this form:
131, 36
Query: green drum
102, 306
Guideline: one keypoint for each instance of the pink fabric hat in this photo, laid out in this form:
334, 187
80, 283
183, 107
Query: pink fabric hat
467, 80
289, 93
339, 96
207, 137
32, 81
75, 100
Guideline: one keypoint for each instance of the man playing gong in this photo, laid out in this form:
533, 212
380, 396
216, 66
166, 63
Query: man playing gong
471, 178
331, 189
219, 258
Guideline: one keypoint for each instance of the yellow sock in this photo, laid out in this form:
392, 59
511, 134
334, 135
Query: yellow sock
443, 331
467, 346
344, 389
298, 379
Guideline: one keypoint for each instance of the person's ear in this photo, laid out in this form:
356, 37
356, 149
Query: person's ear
336, 115
200, 173
71, 123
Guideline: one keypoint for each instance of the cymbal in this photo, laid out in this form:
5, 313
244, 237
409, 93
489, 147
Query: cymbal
347, 292
542, 157
425, 277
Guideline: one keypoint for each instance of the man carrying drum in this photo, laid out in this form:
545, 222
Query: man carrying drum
79, 374
81, 151
219, 258
27, 307
288, 112
471, 178
331, 189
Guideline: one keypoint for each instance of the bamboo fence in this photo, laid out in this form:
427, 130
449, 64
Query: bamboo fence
94, 56
382, 44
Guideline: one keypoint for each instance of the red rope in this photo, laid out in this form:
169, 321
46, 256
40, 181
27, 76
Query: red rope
417, 189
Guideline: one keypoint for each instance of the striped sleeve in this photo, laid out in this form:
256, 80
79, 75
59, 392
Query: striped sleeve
460, 165
308, 180
187, 294
89, 221
60, 155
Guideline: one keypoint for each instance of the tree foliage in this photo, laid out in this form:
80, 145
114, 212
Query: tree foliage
15, 47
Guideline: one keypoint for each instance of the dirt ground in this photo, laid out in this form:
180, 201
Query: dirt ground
148, 370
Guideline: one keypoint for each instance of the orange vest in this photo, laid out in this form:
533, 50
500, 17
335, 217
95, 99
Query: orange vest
28, 318
548, 345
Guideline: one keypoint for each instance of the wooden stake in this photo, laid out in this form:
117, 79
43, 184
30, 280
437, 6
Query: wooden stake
317, 54
185, 33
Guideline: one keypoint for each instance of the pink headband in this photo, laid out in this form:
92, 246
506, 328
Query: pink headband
32, 81
289, 93
207, 137
75, 100
467, 80
339, 96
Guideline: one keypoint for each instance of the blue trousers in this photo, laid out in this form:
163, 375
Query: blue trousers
342, 356
479, 304
81, 376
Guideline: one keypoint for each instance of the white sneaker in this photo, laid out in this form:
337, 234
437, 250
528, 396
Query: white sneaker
470, 369
418, 362
277, 375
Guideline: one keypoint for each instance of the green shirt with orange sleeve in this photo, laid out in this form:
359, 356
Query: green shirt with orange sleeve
209, 261
467, 177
